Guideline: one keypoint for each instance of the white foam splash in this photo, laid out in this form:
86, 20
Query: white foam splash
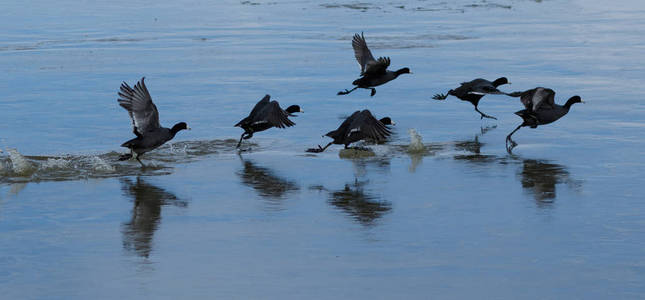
56, 163
19, 164
174, 149
101, 165
416, 141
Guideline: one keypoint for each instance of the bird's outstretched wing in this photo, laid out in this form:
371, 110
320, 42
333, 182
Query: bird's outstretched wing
339, 133
274, 115
377, 67
366, 125
260, 105
363, 54
138, 103
254, 112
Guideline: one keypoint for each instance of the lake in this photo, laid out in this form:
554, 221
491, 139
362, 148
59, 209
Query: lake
559, 217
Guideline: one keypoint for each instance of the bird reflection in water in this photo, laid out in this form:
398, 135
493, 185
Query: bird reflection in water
363, 207
148, 199
266, 183
356, 203
473, 148
540, 178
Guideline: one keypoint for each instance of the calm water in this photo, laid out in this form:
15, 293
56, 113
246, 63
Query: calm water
562, 217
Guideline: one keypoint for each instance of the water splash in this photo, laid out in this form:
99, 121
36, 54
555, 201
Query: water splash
20, 166
100, 165
55, 163
416, 142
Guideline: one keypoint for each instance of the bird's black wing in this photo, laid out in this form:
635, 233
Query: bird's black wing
254, 112
362, 53
377, 67
339, 133
481, 86
366, 125
260, 106
538, 98
274, 115
138, 103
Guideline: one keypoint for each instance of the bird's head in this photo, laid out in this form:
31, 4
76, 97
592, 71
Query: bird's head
179, 126
403, 71
572, 100
500, 81
387, 121
294, 109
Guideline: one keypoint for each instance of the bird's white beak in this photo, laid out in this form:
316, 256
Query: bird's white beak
582, 101
393, 123
188, 127
301, 110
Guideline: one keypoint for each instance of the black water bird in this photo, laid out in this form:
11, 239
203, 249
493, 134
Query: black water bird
473, 91
266, 114
360, 125
373, 72
540, 109
145, 121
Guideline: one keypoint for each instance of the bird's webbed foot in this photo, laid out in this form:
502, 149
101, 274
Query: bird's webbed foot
487, 116
345, 92
316, 150
440, 96
509, 148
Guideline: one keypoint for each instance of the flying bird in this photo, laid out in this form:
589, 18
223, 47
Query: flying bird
373, 72
473, 91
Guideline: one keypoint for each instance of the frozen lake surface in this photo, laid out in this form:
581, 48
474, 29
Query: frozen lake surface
560, 218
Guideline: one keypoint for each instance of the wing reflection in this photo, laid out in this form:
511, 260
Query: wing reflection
358, 204
540, 179
265, 182
148, 199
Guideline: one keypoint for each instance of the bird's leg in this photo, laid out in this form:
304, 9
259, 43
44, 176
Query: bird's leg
483, 115
508, 139
373, 92
346, 91
137, 158
245, 136
320, 149
240, 142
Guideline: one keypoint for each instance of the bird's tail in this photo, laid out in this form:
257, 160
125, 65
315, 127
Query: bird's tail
125, 156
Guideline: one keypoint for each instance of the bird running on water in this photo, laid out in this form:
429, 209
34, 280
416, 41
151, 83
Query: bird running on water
540, 109
266, 114
145, 121
360, 125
